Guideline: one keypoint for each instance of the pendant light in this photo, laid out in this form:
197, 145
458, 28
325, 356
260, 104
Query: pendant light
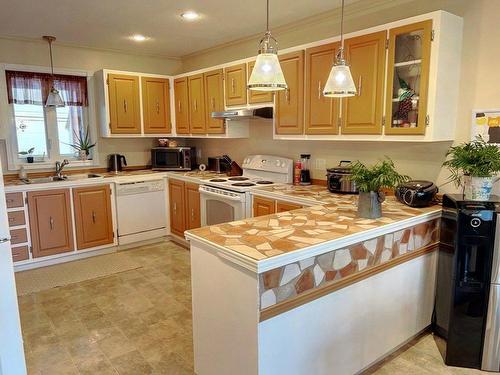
54, 98
267, 74
340, 83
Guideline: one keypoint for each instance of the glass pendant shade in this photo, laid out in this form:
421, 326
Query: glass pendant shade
340, 83
54, 99
267, 74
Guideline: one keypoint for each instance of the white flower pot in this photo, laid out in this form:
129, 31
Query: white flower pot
478, 188
82, 155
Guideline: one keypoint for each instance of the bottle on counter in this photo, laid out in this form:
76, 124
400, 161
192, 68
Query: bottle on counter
305, 174
296, 172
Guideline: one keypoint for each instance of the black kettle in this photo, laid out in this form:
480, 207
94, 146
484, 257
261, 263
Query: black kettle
115, 162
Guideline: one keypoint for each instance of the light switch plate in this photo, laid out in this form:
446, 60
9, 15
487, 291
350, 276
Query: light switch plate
320, 164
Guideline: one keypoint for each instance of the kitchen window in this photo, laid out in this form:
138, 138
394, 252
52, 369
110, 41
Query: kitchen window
48, 132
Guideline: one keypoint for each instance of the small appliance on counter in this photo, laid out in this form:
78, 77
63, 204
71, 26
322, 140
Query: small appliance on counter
338, 179
115, 162
467, 305
305, 169
417, 193
173, 158
219, 164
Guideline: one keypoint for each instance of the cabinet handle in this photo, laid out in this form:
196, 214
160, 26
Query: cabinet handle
93, 216
192, 214
195, 104
51, 223
287, 95
319, 90
179, 105
175, 208
360, 85
157, 108
233, 89
125, 106
213, 103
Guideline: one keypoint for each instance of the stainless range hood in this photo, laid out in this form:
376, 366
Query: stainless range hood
253, 113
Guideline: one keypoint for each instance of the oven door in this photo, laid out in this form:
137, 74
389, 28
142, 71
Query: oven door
167, 159
221, 206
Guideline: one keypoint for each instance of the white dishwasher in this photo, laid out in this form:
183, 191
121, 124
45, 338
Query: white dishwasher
141, 210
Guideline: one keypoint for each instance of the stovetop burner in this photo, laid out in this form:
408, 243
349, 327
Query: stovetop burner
243, 184
218, 180
238, 178
264, 182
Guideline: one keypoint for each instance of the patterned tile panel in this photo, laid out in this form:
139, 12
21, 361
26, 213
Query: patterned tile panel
268, 236
289, 281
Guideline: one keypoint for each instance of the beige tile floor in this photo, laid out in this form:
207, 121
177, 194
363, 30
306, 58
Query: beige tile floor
139, 322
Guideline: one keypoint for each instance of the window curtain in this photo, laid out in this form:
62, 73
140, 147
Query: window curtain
33, 88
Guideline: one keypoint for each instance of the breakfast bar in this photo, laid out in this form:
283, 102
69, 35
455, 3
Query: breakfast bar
314, 290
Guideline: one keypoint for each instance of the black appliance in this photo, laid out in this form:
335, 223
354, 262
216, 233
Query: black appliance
219, 164
173, 158
338, 179
465, 315
115, 162
417, 193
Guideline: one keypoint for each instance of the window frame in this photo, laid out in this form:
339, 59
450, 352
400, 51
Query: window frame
7, 116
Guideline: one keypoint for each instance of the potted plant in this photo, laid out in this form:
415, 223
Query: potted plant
474, 165
29, 155
370, 181
82, 144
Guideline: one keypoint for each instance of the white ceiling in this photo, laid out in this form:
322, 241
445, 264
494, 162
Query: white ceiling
107, 23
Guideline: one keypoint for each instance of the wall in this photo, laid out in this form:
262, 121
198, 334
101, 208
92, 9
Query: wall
479, 57
28, 52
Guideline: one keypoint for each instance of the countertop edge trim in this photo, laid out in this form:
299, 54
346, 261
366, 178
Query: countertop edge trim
314, 294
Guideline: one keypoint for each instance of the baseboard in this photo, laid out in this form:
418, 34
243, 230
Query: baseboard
142, 236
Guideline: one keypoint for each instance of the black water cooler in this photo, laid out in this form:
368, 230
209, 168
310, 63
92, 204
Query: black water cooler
467, 312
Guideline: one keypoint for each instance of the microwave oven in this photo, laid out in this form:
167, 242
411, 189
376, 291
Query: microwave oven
173, 158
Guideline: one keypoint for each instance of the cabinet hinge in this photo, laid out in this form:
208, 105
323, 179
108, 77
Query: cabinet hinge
432, 35
339, 122
427, 120
113, 234
109, 125
387, 44
383, 120
26, 200
31, 250
107, 81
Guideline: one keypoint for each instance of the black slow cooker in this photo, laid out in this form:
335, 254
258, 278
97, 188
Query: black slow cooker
417, 193
338, 179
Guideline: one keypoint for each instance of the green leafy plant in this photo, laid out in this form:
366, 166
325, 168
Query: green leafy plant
83, 142
475, 159
381, 175
29, 152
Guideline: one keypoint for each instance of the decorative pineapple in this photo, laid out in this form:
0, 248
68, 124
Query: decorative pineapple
405, 99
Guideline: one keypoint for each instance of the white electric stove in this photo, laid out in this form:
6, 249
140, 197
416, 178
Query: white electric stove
226, 199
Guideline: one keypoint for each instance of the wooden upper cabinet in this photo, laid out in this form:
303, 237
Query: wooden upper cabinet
50, 222
286, 206
236, 84
290, 102
214, 100
181, 105
156, 105
321, 113
254, 96
408, 78
262, 206
362, 114
124, 104
93, 217
196, 94
192, 206
177, 212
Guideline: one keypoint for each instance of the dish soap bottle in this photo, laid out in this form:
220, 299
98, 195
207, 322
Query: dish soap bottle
23, 175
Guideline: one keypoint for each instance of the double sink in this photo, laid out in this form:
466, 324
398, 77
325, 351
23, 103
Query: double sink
72, 177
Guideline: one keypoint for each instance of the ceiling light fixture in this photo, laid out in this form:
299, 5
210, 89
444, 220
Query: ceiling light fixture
340, 83
267, 74
54, 98
190, 15
138, 38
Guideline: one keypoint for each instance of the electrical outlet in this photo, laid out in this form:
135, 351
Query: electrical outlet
320, 164
198, 153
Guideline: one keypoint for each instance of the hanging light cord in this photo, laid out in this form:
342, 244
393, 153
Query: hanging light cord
51, 62
267, 17
342, 26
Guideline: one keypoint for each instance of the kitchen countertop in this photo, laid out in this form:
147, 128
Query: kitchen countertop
266, 242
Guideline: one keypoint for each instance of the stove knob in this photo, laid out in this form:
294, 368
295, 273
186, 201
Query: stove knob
278, 163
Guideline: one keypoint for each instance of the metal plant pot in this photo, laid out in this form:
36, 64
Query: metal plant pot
478, 188
370, 204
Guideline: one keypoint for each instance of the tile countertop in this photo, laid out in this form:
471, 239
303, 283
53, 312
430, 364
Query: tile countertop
267, 242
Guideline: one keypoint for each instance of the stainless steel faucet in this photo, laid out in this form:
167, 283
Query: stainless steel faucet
59, 168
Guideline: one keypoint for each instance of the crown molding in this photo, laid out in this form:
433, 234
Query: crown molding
82, 46
351, 11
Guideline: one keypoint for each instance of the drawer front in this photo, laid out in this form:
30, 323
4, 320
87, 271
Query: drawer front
20, 253
16, 218
18, 236
14, 200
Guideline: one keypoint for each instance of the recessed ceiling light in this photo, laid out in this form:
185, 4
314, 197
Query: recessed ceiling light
190, 15
139, 38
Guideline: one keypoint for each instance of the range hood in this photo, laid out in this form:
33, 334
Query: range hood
253, 113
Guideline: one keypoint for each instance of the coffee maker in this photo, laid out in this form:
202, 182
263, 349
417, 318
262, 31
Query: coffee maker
115, 162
